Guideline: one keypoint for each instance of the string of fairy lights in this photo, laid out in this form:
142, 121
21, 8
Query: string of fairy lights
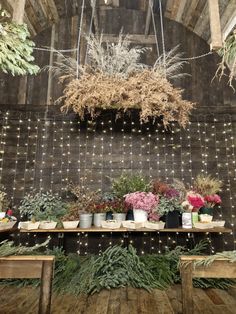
64, 149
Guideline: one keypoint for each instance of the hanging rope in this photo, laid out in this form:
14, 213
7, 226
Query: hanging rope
54, 50
79, 36
162, 36
154, 26
197, 57
93, 5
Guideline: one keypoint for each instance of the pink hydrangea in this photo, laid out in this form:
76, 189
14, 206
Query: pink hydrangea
142, 200
195, 199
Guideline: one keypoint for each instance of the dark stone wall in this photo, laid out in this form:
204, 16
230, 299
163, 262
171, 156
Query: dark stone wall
42, 149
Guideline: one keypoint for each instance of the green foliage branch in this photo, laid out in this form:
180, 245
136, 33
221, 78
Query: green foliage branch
119, 267
128, 183
42, 206
16, 48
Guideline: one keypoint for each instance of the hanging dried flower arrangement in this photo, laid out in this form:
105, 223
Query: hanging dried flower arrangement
114, 79
228, 54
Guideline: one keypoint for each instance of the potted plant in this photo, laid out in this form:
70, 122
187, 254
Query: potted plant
208, 187
99, 213
154, 221
128, 183
71, 219
142, 203
118, 208
42, 207
169, 209
85, 200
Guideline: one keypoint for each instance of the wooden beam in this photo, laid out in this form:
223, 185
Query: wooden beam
116, 3
228, 18
54, 13
46, 287
148, 17
189, 12
137, 39
180, 10
18, 11
203, 21
172, 8
18, 17
216, 37
30, 26
187, 287
50, 74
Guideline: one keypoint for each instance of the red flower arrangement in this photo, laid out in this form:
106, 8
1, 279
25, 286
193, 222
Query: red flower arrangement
212, 200
196, 200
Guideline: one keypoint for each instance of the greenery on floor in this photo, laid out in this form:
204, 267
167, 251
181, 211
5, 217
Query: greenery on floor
117, 267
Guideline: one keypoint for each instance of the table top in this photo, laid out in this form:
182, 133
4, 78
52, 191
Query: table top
8, 230
98, 229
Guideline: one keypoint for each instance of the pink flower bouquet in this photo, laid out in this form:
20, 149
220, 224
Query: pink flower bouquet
195, 200
142, 200
212, 200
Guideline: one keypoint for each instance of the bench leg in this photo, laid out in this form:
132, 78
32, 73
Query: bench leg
187, 288
46, 288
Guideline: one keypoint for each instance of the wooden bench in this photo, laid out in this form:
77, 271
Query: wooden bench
31, 267
220, 268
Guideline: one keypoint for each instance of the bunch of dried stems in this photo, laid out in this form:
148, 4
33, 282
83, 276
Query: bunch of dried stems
114, 78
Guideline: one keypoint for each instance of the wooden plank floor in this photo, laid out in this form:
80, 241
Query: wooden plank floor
119, 301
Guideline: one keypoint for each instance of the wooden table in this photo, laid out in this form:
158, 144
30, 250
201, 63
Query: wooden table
31, 267
219, 268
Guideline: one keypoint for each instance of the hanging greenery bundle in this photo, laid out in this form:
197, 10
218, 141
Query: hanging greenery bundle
115, 79
228, 54
15, 48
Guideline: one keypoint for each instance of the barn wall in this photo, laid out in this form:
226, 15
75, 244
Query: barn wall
43, 149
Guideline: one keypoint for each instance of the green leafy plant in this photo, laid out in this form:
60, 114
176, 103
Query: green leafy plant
8, 248
113, 269
119, 267
228, 54
229, 255
128, 183
167, 205
16, 49
42, 206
